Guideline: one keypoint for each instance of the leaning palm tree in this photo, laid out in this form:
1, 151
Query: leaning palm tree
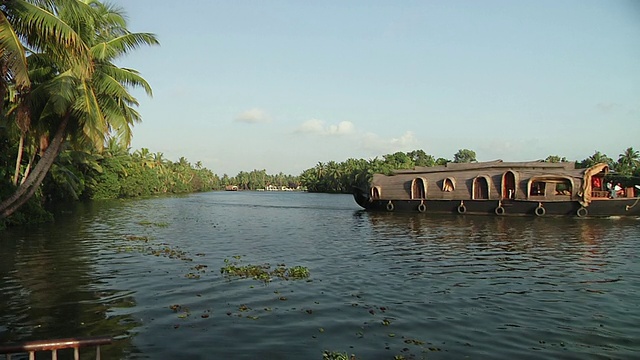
20, 22
87, 100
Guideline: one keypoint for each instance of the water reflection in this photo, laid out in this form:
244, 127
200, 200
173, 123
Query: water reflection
556, 253
52, 288
559, 233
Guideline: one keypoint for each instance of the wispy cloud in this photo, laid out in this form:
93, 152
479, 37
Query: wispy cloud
253, 116
377, 145
607, 107
315, 126
372, 143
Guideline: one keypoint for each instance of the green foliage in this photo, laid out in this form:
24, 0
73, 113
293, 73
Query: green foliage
464, 156
104, 186
628, 162
335, 355
32, 212
342, 177
68, 92
258, 179
263, 272
420, 158
596, 158
555, 159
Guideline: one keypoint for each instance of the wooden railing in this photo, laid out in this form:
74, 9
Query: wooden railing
54, 345
599, 194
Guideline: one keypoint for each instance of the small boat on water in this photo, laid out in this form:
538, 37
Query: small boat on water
502, 188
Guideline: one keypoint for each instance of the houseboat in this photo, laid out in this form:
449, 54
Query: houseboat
501, 188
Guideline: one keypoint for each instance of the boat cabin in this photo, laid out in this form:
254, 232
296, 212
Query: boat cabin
495, 180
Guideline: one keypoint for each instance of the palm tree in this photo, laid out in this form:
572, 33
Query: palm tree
85, 99
596, 158
145, 158
628, 162
22, 19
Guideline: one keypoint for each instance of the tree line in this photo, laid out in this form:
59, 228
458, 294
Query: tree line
341, 177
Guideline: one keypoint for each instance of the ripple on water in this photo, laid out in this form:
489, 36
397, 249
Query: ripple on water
381, 285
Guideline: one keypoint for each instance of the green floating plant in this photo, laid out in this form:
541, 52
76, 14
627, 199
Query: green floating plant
334, 355
150, 223
263, 272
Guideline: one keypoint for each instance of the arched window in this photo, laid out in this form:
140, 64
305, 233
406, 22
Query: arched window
448, 184
376, 192
509, 185
419, 188
480, 188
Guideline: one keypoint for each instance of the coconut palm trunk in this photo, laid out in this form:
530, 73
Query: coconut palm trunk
16, 173
35, 178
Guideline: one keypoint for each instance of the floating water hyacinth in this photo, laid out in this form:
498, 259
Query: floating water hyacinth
263, 272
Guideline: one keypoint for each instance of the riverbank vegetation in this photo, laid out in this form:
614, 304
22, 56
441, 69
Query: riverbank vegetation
340, 177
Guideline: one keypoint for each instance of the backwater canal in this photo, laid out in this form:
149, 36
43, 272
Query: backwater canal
381, 286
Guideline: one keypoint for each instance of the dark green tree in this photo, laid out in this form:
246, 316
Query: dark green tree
464, 156
79, 96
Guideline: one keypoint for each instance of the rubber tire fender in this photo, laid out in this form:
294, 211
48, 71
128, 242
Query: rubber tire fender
390, 206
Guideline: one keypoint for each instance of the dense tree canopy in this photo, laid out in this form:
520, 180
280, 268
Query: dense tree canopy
59, 85
464, 156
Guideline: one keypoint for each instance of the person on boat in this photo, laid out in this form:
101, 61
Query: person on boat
612, 190
619, 190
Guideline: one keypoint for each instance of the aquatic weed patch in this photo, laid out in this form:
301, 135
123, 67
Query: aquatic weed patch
263, 272
335, 355
150, 223
159, 250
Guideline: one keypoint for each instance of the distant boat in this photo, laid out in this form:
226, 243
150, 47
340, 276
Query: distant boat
231, 188
500, 188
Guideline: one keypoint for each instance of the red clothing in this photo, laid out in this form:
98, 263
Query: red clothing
596, 183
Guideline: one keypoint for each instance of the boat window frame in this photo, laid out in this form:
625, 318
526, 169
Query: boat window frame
424, 183
515, 185
452, 181
487, 179
376, 192
547, 180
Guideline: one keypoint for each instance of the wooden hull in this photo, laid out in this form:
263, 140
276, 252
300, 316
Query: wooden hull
597, 208
502, 189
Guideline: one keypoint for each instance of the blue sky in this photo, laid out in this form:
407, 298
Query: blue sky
283, 85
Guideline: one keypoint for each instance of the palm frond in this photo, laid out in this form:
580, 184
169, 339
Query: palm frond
92, 121
13, 55
121, 45
42, 29
127, 77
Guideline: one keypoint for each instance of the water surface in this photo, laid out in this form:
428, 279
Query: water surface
382, 285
